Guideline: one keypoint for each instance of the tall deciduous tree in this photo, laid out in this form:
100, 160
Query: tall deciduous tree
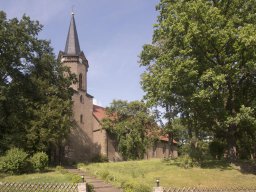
35, 98
132, 125
202, 65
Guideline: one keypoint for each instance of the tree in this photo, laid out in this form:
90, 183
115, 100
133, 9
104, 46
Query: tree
201, 66
132, 125
35, 99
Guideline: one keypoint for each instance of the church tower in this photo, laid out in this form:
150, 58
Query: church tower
80, 142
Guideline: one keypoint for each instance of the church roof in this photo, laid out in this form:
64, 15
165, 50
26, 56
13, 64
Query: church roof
99, 112
72, 44
166, 138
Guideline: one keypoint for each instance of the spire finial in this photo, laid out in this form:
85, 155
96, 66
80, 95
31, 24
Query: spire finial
72, 13
72, 44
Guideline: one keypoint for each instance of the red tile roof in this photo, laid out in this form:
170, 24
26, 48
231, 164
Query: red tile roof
99, 112
166, 138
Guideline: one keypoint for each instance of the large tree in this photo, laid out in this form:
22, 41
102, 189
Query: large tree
132, 125
201, 66
35, 98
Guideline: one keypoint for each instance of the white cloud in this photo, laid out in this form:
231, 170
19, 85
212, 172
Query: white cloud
96, 102
43, 10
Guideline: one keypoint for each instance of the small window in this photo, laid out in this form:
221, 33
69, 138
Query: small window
81, 119
80, 81
81, 99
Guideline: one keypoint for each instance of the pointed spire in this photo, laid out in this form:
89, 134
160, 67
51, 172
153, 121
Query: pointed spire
72, 44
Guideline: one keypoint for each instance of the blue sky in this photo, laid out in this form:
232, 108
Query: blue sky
111, 34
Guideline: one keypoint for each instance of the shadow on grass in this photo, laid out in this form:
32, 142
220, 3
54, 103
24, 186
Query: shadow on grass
206, 164
216, 164
247, 167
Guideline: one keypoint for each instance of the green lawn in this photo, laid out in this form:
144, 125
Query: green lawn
170, 175
52, 176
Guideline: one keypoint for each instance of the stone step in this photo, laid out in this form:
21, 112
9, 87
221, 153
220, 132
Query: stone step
98, 184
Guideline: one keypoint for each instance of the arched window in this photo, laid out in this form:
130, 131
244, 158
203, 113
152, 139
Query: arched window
81, 119
81, 99
80, 81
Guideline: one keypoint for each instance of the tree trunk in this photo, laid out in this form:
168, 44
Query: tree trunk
170, 135
232, 150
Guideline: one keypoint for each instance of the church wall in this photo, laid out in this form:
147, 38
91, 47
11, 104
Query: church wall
104, 144
113, 154
99, 138
80, 142
161, 150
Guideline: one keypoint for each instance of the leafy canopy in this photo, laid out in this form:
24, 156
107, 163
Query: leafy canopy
201, 65
35, 98
132, 124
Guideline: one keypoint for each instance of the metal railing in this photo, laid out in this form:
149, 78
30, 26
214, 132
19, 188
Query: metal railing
234, 189
38, 187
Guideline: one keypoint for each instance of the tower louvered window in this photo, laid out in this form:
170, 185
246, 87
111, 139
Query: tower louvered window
80, 81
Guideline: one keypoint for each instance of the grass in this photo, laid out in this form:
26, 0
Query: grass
51, 176
145, 172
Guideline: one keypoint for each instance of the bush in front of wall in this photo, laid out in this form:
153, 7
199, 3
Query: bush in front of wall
15, 161
131, 186
39, 161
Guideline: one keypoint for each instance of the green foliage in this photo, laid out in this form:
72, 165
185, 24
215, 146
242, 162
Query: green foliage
14, 162
132, 125
186, 162
35, 100
217, 149
76, 178
104, 174
199, 151
39, 161
131, 186
100, 158
61, 169
90, 187
201, 66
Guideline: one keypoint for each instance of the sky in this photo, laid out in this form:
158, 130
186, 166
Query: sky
111, 34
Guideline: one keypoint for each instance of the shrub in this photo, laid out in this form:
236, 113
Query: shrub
217, 149
199, 150
39, 161
76, 178
132, 186
103, 174
186, 162
100, 159
61, 169
14, 162
90, 187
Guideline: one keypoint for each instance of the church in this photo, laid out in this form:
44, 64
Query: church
87, 139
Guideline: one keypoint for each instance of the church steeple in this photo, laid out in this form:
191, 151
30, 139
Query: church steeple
72, 43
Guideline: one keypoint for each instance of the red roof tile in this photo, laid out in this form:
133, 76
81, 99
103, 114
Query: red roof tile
99, 112
166, 138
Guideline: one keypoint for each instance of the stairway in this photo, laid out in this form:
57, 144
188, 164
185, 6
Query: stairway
98, 184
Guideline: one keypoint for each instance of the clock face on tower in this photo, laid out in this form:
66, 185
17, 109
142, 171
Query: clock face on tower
62, 60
